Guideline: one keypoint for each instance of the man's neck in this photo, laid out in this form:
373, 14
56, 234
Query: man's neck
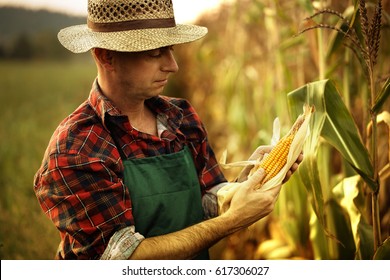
143, 120
140, 116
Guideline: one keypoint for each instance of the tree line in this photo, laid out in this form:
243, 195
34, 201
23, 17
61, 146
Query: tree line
33, 46
28, 34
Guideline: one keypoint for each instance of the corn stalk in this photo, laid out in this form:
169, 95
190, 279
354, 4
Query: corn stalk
367, 50
243, 89
371, 32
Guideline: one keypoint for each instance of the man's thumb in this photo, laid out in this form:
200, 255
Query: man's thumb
256, 177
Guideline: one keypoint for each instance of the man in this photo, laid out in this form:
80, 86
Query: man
130, 173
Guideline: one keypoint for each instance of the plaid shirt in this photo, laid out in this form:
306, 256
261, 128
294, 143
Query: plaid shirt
80, 182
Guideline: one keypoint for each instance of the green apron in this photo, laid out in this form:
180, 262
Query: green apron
165, 193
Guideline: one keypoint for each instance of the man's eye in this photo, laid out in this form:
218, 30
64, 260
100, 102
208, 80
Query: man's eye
155, 53
159, 52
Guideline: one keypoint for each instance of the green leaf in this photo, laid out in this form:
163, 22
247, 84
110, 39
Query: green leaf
340, 227
334, 123
383, 252
347, 193
308, 171
365, 233
293, 214
319, 239
382, 97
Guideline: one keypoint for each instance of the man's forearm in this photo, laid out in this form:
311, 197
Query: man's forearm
247, 206
186, 243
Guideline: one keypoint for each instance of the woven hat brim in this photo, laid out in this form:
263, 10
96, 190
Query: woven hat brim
80, 38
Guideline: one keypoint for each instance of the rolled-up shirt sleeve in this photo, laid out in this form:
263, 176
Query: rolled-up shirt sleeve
125, 241
122, 244
210, 201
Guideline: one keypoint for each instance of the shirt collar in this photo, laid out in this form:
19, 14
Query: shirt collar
169, 114
100, 103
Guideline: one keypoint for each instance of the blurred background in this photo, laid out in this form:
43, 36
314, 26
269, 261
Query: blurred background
238, 79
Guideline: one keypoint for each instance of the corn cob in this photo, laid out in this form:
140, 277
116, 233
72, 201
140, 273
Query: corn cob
277, 158
274, 162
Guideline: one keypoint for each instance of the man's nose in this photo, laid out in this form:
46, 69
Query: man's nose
170, 64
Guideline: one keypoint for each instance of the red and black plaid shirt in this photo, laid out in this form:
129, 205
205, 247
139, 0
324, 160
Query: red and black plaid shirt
80, 183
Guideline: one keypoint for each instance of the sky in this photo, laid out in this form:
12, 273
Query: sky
186, 11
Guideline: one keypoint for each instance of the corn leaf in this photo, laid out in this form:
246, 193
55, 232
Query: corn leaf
382, 97
334, 123
308, 170
383, 252
347, 192
319, 239
293, 213
341, 239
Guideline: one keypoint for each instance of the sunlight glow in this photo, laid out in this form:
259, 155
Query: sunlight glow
186, 11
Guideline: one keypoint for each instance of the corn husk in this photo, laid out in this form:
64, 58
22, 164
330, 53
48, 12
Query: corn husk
301, 126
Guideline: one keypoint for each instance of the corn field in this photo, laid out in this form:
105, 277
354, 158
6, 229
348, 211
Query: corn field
266, 59
261, 59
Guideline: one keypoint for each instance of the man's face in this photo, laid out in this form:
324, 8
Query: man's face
145, 74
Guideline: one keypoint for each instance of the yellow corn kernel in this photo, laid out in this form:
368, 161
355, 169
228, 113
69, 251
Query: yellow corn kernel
277, 158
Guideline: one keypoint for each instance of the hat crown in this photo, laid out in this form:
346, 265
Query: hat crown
111, 11
129, 26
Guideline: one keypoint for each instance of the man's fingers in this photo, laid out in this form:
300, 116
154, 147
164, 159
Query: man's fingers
256, 177
260, 152
294, 167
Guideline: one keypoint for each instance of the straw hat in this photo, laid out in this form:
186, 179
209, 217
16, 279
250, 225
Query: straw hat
129, 26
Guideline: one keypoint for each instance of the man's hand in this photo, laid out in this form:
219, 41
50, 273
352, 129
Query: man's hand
249, 204
258, 154
293, 168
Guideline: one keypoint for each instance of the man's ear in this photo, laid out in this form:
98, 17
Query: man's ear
104, 58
